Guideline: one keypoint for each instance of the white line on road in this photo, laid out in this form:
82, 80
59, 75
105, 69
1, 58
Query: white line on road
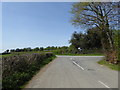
78, 65
103, 84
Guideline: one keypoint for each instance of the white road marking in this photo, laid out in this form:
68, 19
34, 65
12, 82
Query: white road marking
103, 84
78, 65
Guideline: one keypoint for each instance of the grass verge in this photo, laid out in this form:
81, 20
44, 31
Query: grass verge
111, 66
83, 54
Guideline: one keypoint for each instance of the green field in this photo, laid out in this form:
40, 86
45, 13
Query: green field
83, 54
20, 53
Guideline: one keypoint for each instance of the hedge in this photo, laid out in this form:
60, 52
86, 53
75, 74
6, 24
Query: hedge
18, 69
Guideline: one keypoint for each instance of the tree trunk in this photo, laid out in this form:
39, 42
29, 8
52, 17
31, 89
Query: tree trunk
103, 46
110, 41
107, 30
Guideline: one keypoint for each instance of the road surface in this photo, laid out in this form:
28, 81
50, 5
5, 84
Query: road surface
75, 72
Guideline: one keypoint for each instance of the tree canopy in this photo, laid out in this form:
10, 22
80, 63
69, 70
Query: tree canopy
104, 16
89, 40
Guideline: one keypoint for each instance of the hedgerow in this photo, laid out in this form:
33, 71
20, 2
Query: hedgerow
18, 69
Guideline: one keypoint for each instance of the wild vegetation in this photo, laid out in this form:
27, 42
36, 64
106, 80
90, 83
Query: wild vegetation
18, 69
104, 17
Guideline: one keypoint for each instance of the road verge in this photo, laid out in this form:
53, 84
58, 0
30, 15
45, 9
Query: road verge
111, 66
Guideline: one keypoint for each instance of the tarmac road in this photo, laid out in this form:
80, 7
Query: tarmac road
75, 72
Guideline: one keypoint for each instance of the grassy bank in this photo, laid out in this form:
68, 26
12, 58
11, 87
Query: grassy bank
83, 54
19, 69
111, 66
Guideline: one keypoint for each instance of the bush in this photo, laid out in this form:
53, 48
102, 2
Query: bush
17, 70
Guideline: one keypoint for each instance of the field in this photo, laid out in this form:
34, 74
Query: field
58, 52
83, 54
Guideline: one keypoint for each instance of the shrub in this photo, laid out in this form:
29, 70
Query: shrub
18, 69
